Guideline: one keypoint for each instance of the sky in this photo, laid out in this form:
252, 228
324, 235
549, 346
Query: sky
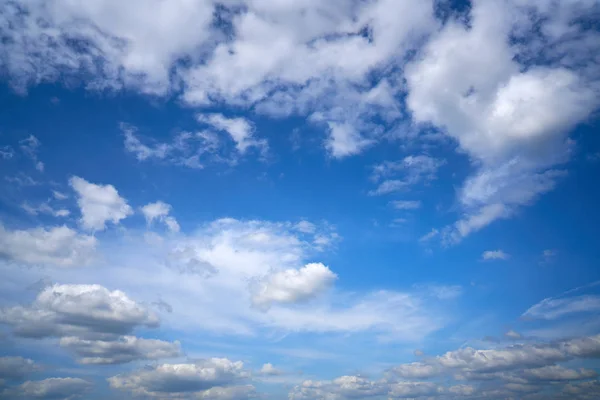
341, 200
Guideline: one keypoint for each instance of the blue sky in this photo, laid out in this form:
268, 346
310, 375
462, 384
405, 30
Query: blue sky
348, 200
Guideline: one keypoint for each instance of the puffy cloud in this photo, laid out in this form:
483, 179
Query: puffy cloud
99, 204
78, 310
511, 120
291, 285
513, 335
60, 246
174, 379
51, 388
160, 211
269, 369
339, 388
16, 367
558, 373
494, 255
121, 350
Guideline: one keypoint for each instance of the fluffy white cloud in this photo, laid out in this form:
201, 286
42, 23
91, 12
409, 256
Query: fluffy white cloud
269, 369
78, 310
176, 379
60, 246
99, 204
511, 120
293, 285
494, 255
121, 350
160, 211
51, 388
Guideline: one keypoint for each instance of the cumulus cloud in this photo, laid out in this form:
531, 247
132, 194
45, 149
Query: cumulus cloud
494, 255
60, 246
99, 204
30, 146
512, 121
121, 350
51, 388
196, 379
14, 368
160, 211
269, 369
291, 285
77, 310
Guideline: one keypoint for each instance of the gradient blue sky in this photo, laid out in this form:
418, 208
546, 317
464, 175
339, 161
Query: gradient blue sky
252, 199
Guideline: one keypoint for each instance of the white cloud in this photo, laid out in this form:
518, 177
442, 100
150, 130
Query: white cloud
240, 130
87, 311
60, 246
59, 195
558, 373
513, 335
427, 237
177, 379
494, 255
6, 152
344, 140
51, 388
45, 208
160, 211
394, 176
512, 121
121, 350
554, 308
406, 204
293, 285
99, 204
269, 369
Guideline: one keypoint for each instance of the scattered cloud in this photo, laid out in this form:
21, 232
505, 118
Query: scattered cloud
427, 237
394, 176
51, 388
198, 379
160, 211
553, 308
269, 370
45, 208
494, 255
60, 246
99, 204
406, 204
293, 285
240, 130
